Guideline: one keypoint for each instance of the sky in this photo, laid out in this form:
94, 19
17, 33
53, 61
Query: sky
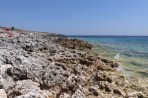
77, 17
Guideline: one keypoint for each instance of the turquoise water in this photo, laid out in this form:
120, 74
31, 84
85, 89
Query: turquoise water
130, 51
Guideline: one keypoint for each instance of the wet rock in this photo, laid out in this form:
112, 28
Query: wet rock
114, 64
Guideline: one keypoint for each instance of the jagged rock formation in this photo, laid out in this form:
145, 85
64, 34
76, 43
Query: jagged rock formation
43, 65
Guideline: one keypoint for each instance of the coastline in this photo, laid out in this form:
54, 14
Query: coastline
52, 66
130, 52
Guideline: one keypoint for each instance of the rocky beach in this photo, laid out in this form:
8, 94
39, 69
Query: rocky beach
48, 65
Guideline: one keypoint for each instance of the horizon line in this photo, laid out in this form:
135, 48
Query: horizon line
112, 35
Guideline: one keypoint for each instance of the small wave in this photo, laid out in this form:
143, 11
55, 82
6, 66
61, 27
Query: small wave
138, 63
132, 53
117, 56
143, 74
144, 70
120, 68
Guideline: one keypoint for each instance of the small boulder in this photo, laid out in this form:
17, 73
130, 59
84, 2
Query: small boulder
3, 93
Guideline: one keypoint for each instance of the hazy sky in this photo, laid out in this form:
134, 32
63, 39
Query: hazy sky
77, 17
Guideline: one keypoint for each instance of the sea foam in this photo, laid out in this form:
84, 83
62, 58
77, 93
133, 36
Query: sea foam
117, 56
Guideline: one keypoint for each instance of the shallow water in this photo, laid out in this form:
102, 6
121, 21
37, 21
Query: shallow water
130, 51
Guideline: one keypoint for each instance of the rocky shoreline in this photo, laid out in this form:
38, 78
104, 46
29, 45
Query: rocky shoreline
45, 65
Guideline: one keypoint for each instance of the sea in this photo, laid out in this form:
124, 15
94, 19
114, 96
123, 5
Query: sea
131, 52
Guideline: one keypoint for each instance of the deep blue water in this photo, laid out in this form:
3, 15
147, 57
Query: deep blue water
130, 51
